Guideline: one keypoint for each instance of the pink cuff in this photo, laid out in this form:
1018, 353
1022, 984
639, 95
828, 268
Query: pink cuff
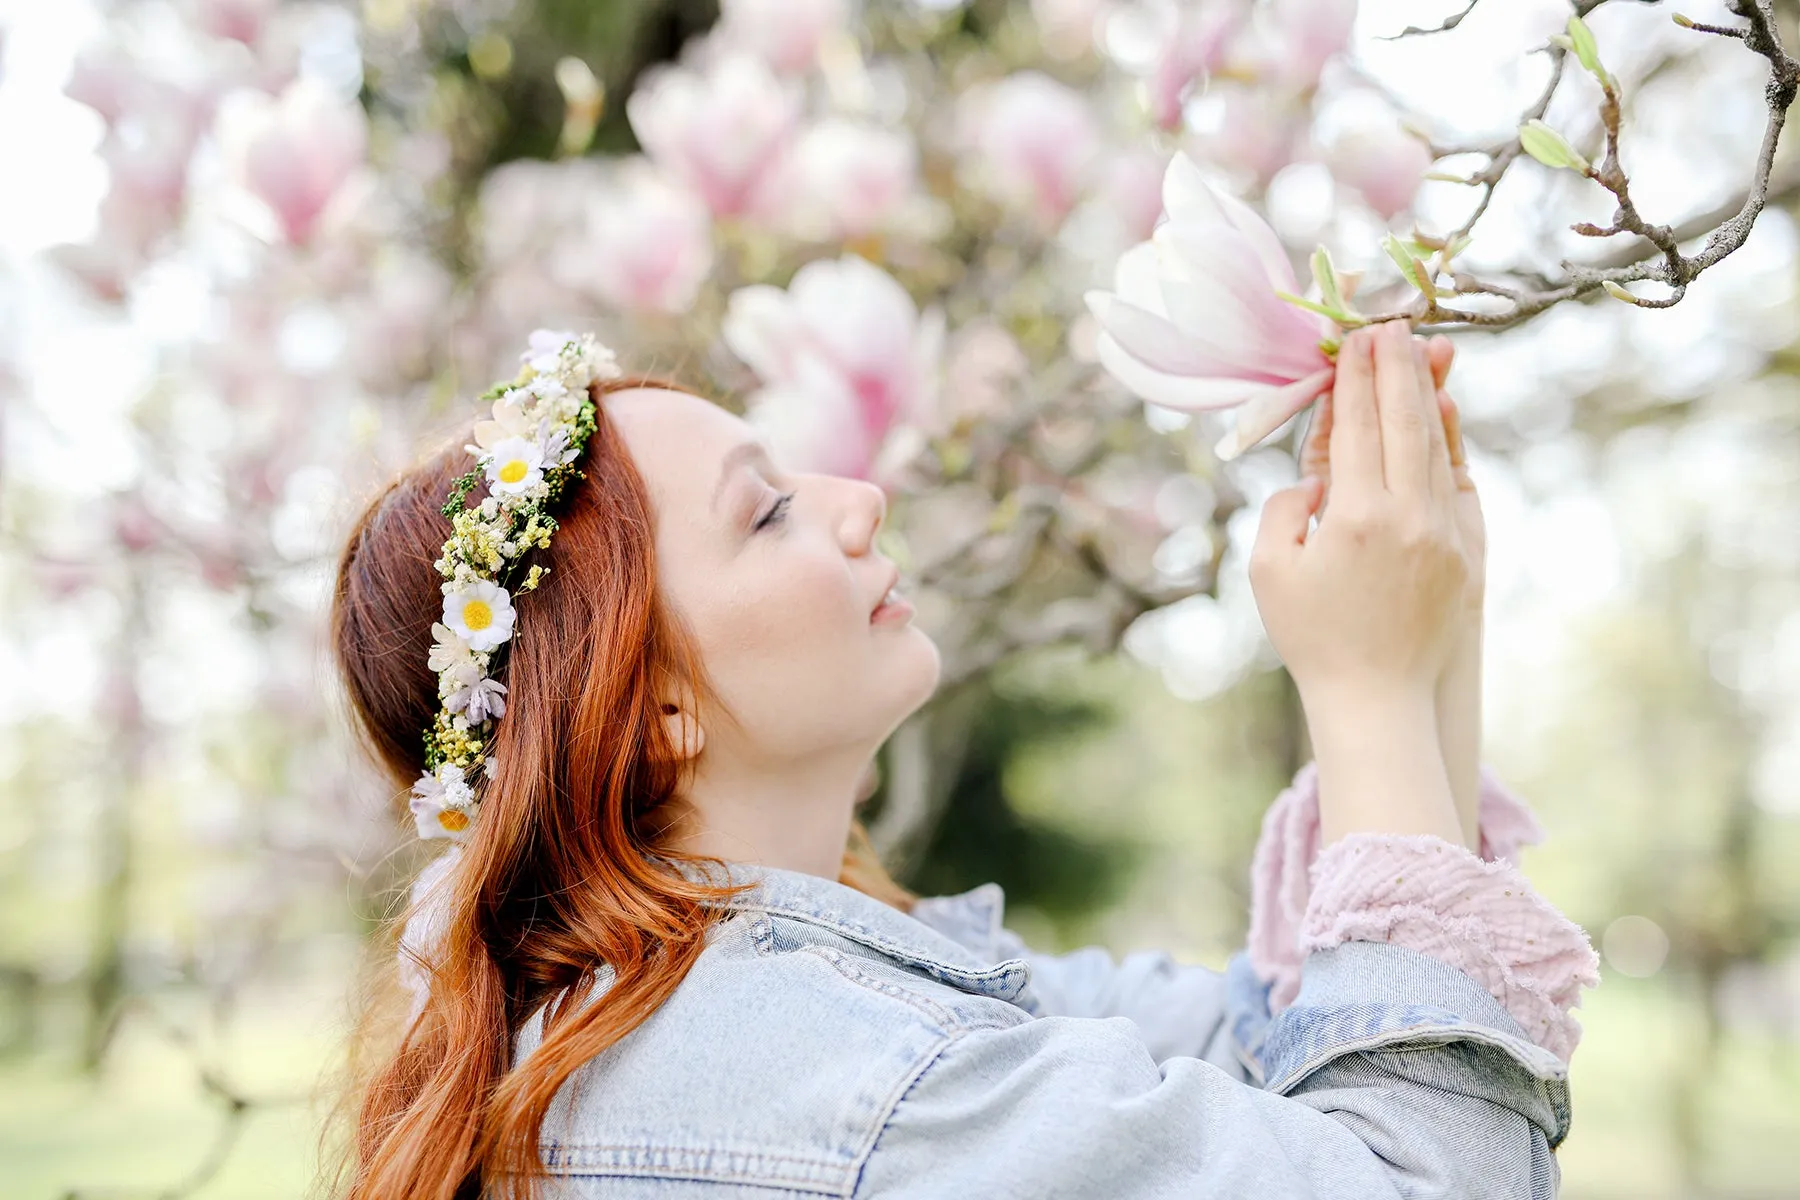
1480, 915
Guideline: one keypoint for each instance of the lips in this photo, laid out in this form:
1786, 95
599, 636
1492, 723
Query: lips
892, 583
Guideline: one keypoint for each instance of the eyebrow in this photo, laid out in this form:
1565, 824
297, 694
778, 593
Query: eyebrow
735, 457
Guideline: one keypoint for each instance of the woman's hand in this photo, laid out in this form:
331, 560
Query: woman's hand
1315, 459
1458, 696
1370, 600
1365, 609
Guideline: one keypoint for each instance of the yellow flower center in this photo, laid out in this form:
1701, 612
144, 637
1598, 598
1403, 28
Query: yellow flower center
477, 615
453, 821
513, 471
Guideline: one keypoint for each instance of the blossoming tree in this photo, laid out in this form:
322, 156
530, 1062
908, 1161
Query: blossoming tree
1017, 262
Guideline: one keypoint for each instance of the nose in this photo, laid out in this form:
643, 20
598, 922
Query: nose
865, 507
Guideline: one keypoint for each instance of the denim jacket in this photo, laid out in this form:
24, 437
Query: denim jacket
827, 1044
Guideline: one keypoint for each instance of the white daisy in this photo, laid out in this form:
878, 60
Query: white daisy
517, 466
481, 613
442, 804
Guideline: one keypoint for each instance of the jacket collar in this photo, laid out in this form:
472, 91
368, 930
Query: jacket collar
950, 938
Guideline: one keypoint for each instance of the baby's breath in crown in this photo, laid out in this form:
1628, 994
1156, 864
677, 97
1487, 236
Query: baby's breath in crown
527, 454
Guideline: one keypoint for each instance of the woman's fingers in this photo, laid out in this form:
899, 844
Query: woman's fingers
1442, 352
1443, 485
1315, 451
1459, 453
1404, 420
1355, 434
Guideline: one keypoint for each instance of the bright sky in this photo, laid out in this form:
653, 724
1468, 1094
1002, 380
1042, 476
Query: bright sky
1558, 547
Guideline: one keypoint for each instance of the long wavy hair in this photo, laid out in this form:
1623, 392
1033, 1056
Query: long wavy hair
558, 881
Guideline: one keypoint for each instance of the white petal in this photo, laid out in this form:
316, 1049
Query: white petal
1264, 415
1136, 279
1188, 197
1174, 391
762, 329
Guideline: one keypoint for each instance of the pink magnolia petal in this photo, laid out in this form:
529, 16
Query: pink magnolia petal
1188, 197
1264, 415
761, 328
1186, 392
1154, 341
1216, 293
1138, 280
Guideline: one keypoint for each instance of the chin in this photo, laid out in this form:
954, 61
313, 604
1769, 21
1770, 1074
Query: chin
918, 669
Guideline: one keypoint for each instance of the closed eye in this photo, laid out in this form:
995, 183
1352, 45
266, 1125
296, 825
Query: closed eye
776, 514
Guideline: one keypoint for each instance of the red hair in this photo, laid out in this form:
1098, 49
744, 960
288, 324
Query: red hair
557, 881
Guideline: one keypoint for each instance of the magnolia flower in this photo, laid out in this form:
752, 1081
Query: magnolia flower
1195, 40
239, 20
1386, 164
723, 133
845, 358
481, 613
1252, 131
1131, 188
517, 466
786, 34
854, 176
1194, 321
648, 246
443, 804
294, 154
1303, 35
105, 80
1031, 140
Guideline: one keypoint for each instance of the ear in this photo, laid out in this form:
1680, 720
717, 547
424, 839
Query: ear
684, 729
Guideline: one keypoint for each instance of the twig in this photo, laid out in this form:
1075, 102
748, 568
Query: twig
1662, 262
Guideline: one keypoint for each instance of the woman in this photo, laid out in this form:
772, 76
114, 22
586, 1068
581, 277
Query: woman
663, 962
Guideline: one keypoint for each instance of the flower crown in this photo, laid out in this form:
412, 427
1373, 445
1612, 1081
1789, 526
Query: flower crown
527, 454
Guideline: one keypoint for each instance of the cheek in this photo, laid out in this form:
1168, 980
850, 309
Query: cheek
782, 618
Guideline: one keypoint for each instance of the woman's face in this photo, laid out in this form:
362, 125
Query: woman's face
776, 576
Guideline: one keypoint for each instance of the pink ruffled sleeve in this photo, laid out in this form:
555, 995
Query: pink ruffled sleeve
1479, 914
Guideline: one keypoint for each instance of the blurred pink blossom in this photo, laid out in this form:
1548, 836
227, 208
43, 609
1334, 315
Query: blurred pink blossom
1069, 28
1195, 39
1131, 188
845, 359
1257, 133
1303, 35
1385, 163
850, 177
238, 20
786, 34
722, 130
294, 153
1194, 323
1031, 140
648, 243
105, 79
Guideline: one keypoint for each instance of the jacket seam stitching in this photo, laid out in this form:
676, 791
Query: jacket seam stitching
901, 1091
841, 963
